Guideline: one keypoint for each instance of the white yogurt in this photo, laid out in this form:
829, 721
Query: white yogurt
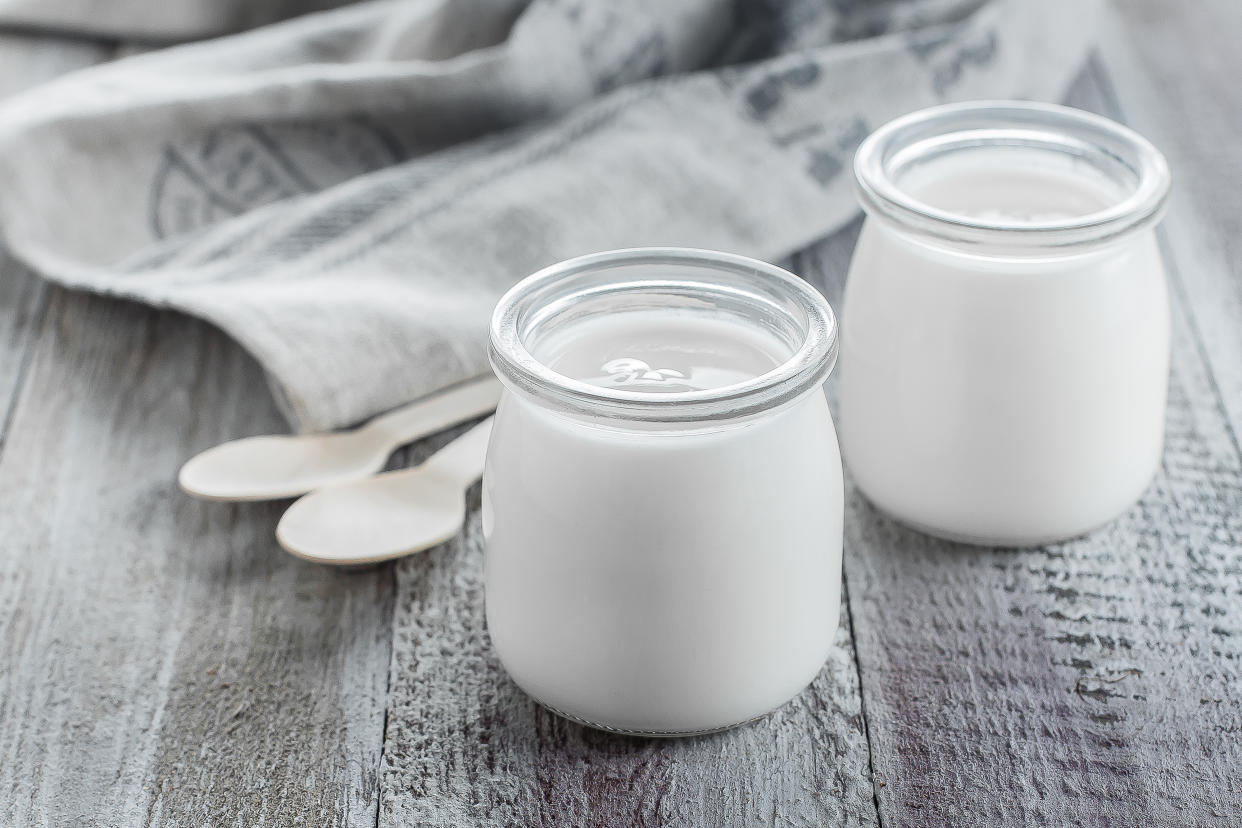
657, 577
996, 396
661, 352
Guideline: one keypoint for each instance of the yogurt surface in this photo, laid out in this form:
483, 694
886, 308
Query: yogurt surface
661, 351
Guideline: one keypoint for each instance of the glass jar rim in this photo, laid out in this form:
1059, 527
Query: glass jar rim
1084, 136
807, 367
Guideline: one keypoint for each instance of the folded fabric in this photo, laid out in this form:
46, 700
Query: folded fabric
153, 20
348, 193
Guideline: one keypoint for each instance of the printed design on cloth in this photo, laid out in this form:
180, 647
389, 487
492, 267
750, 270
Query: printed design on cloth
620, 44
770, 97
949, 53
233, 169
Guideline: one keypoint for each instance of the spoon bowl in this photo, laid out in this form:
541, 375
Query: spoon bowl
389, 515
279, 466
374, 520
276, 466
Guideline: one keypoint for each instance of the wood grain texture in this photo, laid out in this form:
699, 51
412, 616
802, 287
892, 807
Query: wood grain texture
1177, 73
23, 300
162, 662
465, 746
1087, 683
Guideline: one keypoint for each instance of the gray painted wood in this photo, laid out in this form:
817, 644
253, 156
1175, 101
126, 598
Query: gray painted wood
23, 299
1087, 683
164, 663
1177, 75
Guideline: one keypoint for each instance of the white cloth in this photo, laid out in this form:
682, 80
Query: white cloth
349, 192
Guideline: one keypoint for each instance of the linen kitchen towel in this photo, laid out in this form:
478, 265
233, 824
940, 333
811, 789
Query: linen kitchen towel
348, 193
153, 20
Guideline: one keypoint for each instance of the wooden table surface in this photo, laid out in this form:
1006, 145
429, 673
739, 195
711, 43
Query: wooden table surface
162, 662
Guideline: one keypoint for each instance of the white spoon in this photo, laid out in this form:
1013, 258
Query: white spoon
389, 515
277, 466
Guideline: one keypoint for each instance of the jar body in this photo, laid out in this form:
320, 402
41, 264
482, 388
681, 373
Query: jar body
659, 581
1009, 401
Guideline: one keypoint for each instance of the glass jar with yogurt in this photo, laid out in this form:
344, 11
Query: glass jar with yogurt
662, 496
1005, 334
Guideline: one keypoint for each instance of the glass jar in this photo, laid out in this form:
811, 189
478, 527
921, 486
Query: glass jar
1005, 341
662, 496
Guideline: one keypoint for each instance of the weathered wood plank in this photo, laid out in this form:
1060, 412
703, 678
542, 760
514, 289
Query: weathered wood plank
465, 746
23, 299
1176, 71
1086, 683
162, 662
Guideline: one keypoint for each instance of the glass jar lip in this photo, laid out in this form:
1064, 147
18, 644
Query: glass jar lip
1086, 136
806, 368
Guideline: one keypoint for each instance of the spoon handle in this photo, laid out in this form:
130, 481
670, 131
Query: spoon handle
438, 412
463, 458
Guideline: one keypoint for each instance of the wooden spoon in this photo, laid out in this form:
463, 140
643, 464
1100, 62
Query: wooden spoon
277, 466
389, 515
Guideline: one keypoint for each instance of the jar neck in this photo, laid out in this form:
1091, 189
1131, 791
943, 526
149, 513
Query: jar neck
757, 300
1011, 179
543, 407
990, 256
